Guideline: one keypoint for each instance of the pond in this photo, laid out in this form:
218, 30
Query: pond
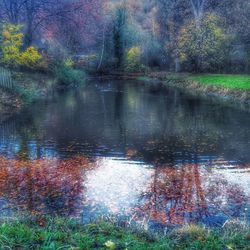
127, 149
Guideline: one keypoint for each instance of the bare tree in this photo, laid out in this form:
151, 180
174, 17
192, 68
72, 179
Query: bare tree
198, 10
12, 10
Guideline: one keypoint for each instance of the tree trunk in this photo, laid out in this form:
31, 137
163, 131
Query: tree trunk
177, 65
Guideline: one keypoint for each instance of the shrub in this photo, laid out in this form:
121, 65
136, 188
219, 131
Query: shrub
69, 62
30, 58
11, 44
133, 59
28, 95
67, 76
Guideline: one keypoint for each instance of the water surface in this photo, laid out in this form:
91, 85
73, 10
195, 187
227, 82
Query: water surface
127, 149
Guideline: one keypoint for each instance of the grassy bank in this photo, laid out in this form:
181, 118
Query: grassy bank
230, 89
240, 82
32, 86
35, 86
28, 87
58, 233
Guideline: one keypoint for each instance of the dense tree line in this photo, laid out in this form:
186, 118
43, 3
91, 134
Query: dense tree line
177, 35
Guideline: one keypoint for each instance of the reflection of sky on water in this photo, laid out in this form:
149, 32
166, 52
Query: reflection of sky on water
235, 175
116, 184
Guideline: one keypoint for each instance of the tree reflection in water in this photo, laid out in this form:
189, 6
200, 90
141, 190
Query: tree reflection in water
45, 186
164, 195
190, 193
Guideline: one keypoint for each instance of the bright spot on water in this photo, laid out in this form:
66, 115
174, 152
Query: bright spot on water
116, 185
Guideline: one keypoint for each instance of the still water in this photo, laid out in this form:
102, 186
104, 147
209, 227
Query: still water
130, 150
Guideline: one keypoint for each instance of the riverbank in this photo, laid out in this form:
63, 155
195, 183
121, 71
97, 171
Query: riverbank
28, 88
230, 89
59, 233
10, 103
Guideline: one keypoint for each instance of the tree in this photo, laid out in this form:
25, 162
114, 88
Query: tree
12, 43
171, 17
118, 36
198, 10
12, 10
87, 17
202, 45
37, 14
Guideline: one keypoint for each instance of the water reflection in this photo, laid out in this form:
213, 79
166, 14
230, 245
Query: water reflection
44, 186
108, 118
117, 186
118, 147
192, 193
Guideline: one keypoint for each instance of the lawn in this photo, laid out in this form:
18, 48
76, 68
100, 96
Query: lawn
58, 233
241, 82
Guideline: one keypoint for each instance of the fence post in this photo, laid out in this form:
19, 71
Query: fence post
6, 80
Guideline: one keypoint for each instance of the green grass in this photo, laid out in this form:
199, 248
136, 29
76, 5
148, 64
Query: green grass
143, 78
58, 233
241, 82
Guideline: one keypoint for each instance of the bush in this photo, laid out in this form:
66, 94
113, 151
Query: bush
30, 58
69, 62
133, 57
67, 76
28, 95
11, 45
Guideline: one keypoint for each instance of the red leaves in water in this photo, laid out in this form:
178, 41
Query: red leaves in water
44, 185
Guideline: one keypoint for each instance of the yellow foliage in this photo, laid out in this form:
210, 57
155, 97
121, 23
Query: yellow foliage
11, 55
30, 58
134, 52
110, 245
12, 42
69, 62
204, 41
12, 35
133, 58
